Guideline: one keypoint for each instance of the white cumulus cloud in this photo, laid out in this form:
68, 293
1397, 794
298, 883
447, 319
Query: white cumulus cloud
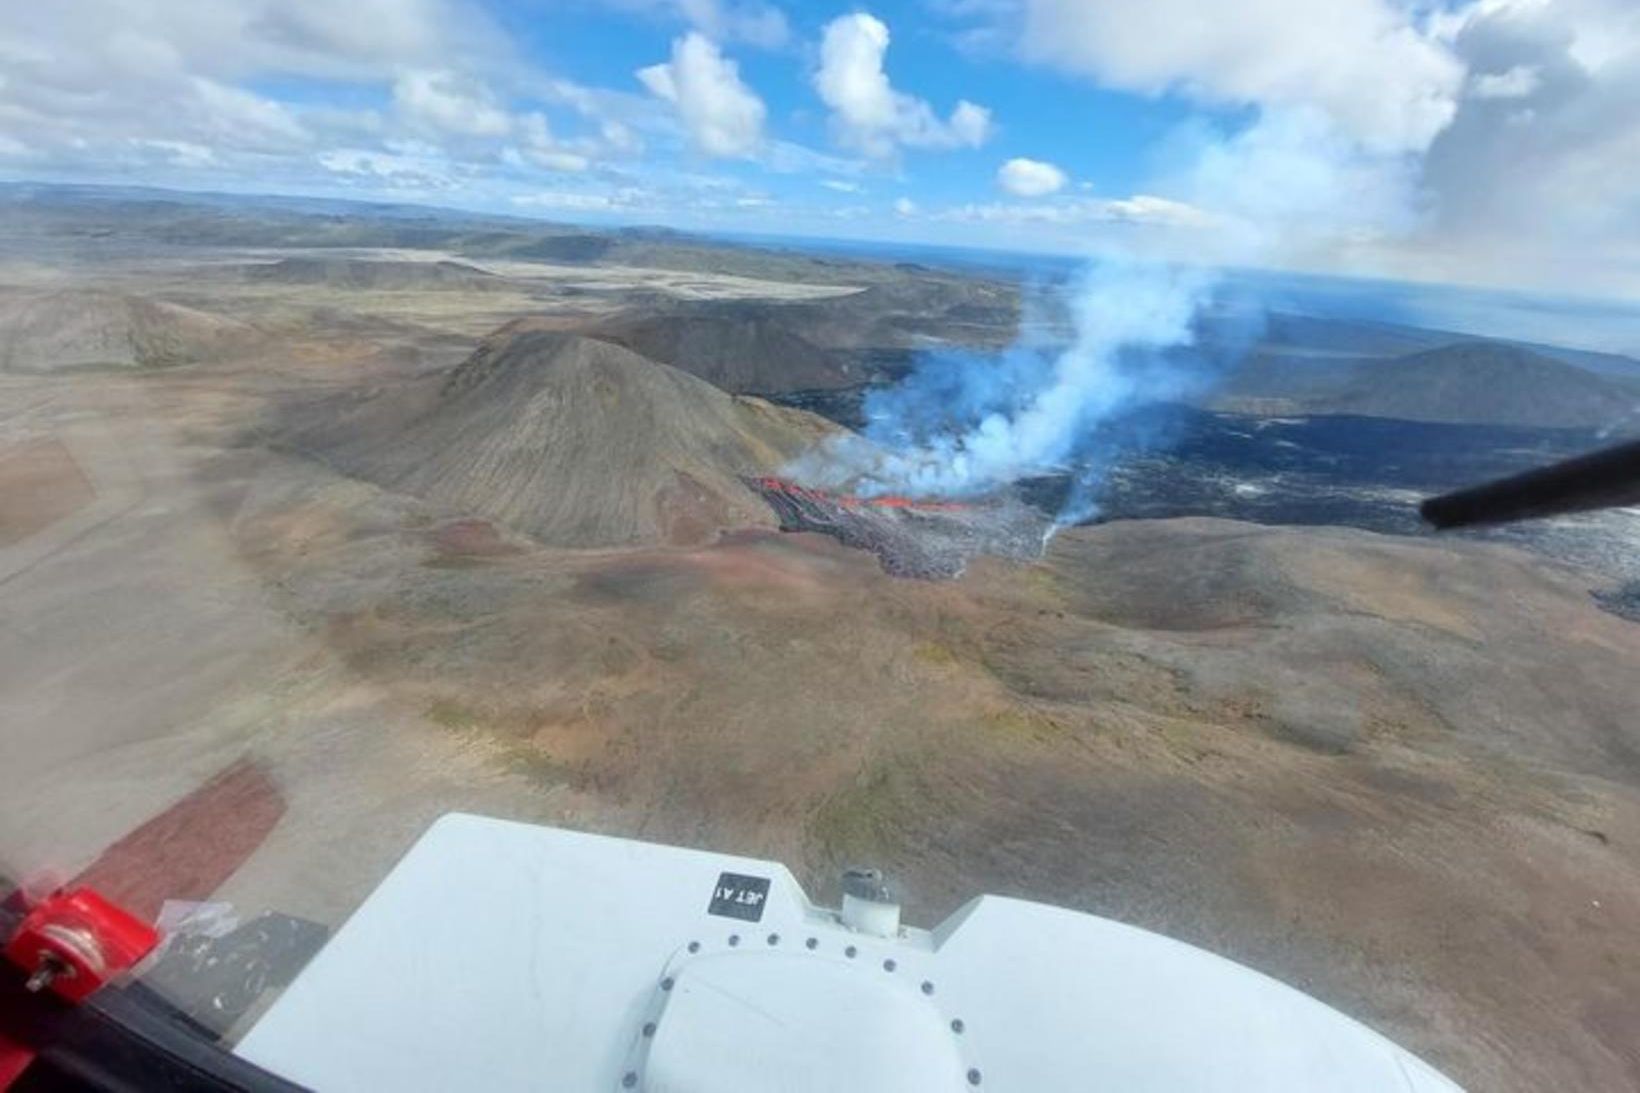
722, 115
756, 24
1030, 178
136, 88
574, 201
415, 169
232, 114
538, 146
183, 154
448, 103
868, 113
752, 22
1536, 176
1143, 209
1516, 83
1150, 209
1389, 83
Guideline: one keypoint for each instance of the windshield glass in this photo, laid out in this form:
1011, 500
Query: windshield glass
979, 441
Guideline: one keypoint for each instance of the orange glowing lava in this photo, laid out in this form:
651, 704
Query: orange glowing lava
849, 500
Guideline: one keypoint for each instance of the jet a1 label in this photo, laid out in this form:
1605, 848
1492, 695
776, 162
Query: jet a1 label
739, 896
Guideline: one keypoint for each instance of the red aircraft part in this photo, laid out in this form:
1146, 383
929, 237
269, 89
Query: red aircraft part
185, 852
74, 941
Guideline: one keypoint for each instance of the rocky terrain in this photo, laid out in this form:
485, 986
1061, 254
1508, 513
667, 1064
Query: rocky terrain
1340, 757
928, 540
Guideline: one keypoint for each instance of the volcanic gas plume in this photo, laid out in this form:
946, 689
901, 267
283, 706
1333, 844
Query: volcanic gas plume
1289, 186
963, 427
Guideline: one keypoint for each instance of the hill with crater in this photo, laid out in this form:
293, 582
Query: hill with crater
841, 341
742, 348
85, 328
577, 442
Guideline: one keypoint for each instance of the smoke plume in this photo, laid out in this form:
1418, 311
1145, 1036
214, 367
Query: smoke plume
963, 424
1291, 189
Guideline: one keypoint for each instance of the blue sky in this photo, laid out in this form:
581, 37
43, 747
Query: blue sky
1100, 137
1487, 141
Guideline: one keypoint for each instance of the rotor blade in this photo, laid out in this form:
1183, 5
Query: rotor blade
1609, 478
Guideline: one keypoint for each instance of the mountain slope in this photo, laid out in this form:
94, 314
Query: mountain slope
357, 273
743, 349
45, 331
578, 442
1486, 383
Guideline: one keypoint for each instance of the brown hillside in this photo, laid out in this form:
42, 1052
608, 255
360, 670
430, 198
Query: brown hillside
575, 441
46, 331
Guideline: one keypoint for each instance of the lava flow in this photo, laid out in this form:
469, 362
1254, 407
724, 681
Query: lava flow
932, 540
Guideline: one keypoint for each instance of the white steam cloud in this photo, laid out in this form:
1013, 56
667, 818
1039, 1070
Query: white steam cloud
961, 425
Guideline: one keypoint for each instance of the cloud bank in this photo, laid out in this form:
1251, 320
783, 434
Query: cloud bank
868, 113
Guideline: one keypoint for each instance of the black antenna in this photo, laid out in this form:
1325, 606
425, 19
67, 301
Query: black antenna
1606, 479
